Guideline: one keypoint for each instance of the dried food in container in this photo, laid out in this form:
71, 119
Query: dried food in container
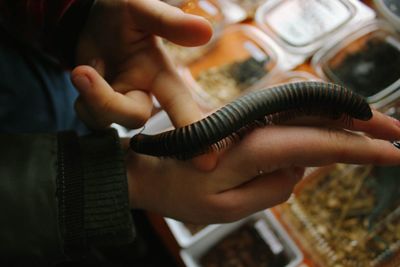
238, 61
252, 245
349, 215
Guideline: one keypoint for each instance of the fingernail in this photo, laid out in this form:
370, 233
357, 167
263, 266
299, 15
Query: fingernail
396, 144
82, 82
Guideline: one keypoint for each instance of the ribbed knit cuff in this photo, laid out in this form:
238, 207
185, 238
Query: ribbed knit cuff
70, 194
107, 214
92, 192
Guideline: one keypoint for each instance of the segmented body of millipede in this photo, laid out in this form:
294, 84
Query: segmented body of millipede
263, 107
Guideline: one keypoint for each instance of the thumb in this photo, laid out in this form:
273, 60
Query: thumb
107, 106
170, 22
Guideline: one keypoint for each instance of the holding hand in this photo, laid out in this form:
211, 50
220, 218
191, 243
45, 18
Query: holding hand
119, 42
259, 172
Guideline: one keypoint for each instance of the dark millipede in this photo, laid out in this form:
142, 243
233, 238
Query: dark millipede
263, 107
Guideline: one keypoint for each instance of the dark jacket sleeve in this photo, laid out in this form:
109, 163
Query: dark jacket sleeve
60, 195
51, 25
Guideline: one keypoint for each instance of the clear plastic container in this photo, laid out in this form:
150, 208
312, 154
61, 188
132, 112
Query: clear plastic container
248, 6
187, 234
390, 10
390, 104
176, 3
258, 240
239, 60
293, 76
347, 215
303, 26
209, 9
366, 61
233, 13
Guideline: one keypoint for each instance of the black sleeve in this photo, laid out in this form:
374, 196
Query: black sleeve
60, 195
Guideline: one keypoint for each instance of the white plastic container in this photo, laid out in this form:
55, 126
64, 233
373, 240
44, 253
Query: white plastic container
357, 61
270, 231
302, 27
184, 236
232, 12
247, 7
390, 105
390, 10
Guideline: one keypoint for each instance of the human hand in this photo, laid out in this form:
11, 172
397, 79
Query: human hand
119, 41
235, 188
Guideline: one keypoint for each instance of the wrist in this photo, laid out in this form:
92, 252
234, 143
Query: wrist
142, 172
133, 175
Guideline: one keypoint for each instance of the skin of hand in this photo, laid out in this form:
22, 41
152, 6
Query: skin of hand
121, 63
235, 189
128, 63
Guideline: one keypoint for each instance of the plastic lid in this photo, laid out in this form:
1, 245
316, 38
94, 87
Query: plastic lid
299, 25
390, 9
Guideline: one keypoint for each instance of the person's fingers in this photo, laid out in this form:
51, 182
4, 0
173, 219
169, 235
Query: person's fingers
83, 113
107, 106
170, 22
308, 146
277, 147
379, 126
176, 99
151, 71
259, 193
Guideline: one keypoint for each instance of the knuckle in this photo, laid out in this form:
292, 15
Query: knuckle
141, 117
106, 105
338, 140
